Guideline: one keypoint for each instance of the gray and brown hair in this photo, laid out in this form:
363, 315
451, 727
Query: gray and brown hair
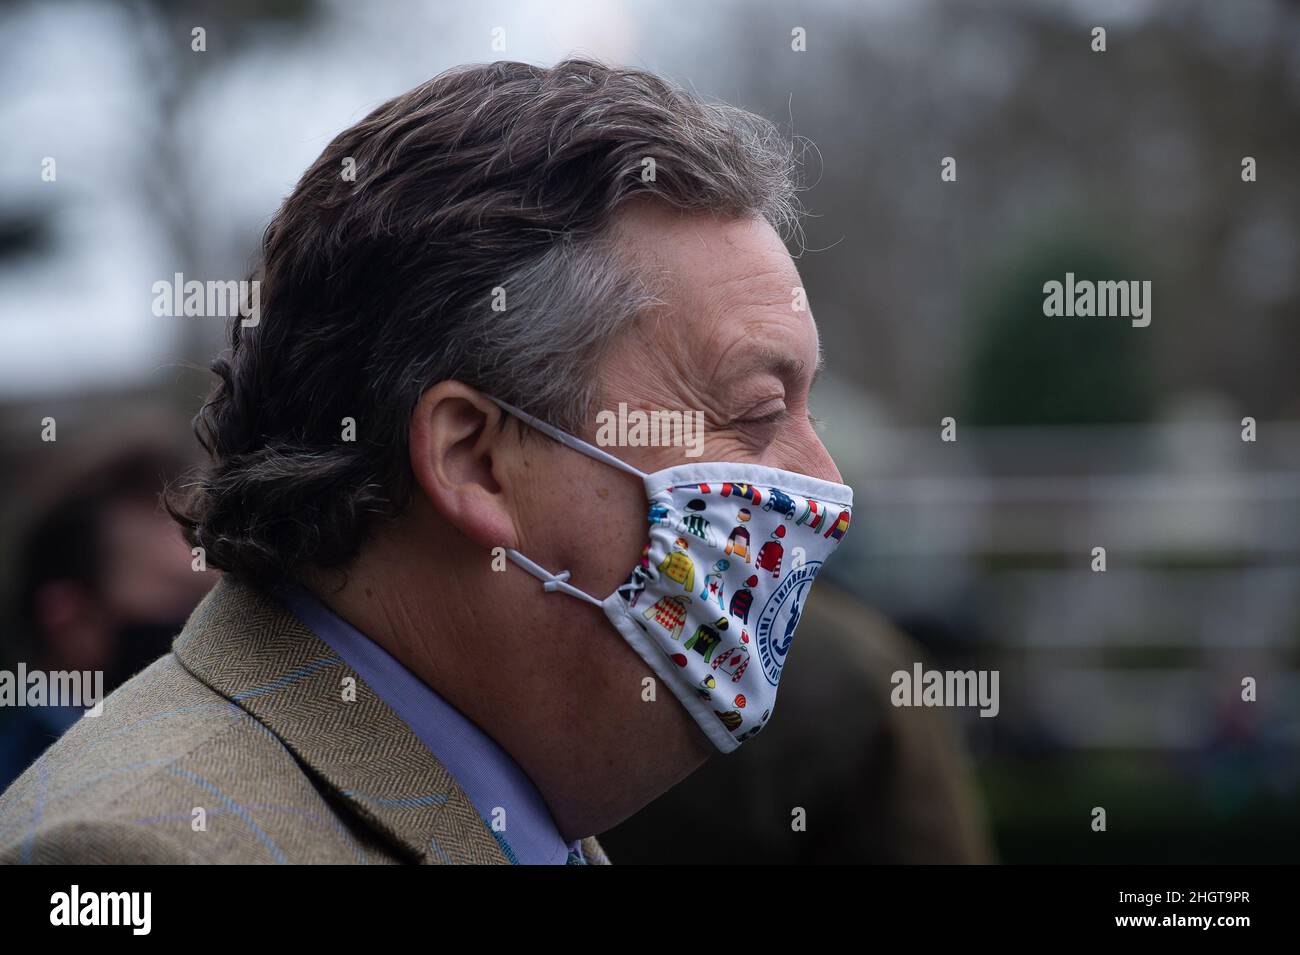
373, 290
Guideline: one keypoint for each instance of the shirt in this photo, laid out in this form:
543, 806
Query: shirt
489, 777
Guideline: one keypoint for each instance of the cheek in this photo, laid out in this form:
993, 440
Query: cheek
588, 519
612, 532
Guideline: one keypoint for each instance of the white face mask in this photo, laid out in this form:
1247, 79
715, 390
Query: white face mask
712, 607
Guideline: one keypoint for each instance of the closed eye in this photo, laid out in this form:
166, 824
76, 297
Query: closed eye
779, 415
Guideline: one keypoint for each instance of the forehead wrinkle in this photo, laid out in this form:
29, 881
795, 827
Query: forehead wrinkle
731, 298
762, 288
760, 355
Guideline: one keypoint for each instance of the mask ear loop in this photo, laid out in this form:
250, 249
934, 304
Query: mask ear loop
568, 440
552, 582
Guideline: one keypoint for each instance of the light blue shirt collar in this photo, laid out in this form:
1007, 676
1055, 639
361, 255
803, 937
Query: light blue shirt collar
492, 780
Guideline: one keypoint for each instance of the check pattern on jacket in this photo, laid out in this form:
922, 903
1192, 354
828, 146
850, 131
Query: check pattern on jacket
245, 720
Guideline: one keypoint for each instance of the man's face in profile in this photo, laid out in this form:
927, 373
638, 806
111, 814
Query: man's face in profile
727, 342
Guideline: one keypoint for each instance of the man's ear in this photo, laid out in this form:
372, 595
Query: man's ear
459, 452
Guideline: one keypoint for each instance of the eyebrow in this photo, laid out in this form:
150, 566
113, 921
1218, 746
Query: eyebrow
782, 366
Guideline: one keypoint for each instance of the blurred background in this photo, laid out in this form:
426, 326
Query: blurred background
1119, 689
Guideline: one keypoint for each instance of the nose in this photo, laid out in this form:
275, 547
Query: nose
811, 457
831, 471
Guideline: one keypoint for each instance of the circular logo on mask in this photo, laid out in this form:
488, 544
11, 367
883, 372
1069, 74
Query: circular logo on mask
780, 615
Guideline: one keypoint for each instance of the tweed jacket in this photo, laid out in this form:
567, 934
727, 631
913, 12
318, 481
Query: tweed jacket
240, 747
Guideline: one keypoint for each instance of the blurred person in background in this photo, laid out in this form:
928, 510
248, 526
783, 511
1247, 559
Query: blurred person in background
104, 583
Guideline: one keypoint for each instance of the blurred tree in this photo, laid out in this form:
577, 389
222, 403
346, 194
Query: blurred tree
1027, 368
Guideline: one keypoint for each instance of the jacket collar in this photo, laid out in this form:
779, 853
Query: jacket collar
249, 649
